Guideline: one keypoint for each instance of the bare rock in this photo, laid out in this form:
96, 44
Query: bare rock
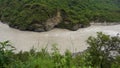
52, 22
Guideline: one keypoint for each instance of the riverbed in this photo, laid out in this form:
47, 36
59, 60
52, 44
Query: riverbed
75, 41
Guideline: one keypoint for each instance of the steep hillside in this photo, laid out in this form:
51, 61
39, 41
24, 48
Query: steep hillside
44, 15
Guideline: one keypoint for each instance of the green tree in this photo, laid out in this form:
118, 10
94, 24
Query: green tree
101, 49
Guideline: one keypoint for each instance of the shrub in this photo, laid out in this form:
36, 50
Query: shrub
5, 53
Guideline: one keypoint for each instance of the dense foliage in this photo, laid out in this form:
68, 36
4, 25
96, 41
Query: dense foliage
28, 14
98, 55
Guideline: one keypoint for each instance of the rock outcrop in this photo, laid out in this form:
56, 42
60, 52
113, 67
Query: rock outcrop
52, 22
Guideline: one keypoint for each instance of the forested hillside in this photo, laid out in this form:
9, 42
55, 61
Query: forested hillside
44, 15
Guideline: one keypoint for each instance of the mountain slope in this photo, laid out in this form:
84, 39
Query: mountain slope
34, 14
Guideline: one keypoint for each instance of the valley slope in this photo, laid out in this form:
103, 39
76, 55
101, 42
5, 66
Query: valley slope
44, 15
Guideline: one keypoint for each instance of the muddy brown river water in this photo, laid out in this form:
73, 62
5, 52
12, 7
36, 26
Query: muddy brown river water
74, 41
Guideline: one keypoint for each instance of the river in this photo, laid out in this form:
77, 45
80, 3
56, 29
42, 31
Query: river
74, 41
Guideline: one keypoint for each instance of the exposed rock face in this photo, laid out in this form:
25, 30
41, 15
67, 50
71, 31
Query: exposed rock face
52, 22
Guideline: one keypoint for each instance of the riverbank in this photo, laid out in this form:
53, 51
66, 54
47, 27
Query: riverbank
104, 23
